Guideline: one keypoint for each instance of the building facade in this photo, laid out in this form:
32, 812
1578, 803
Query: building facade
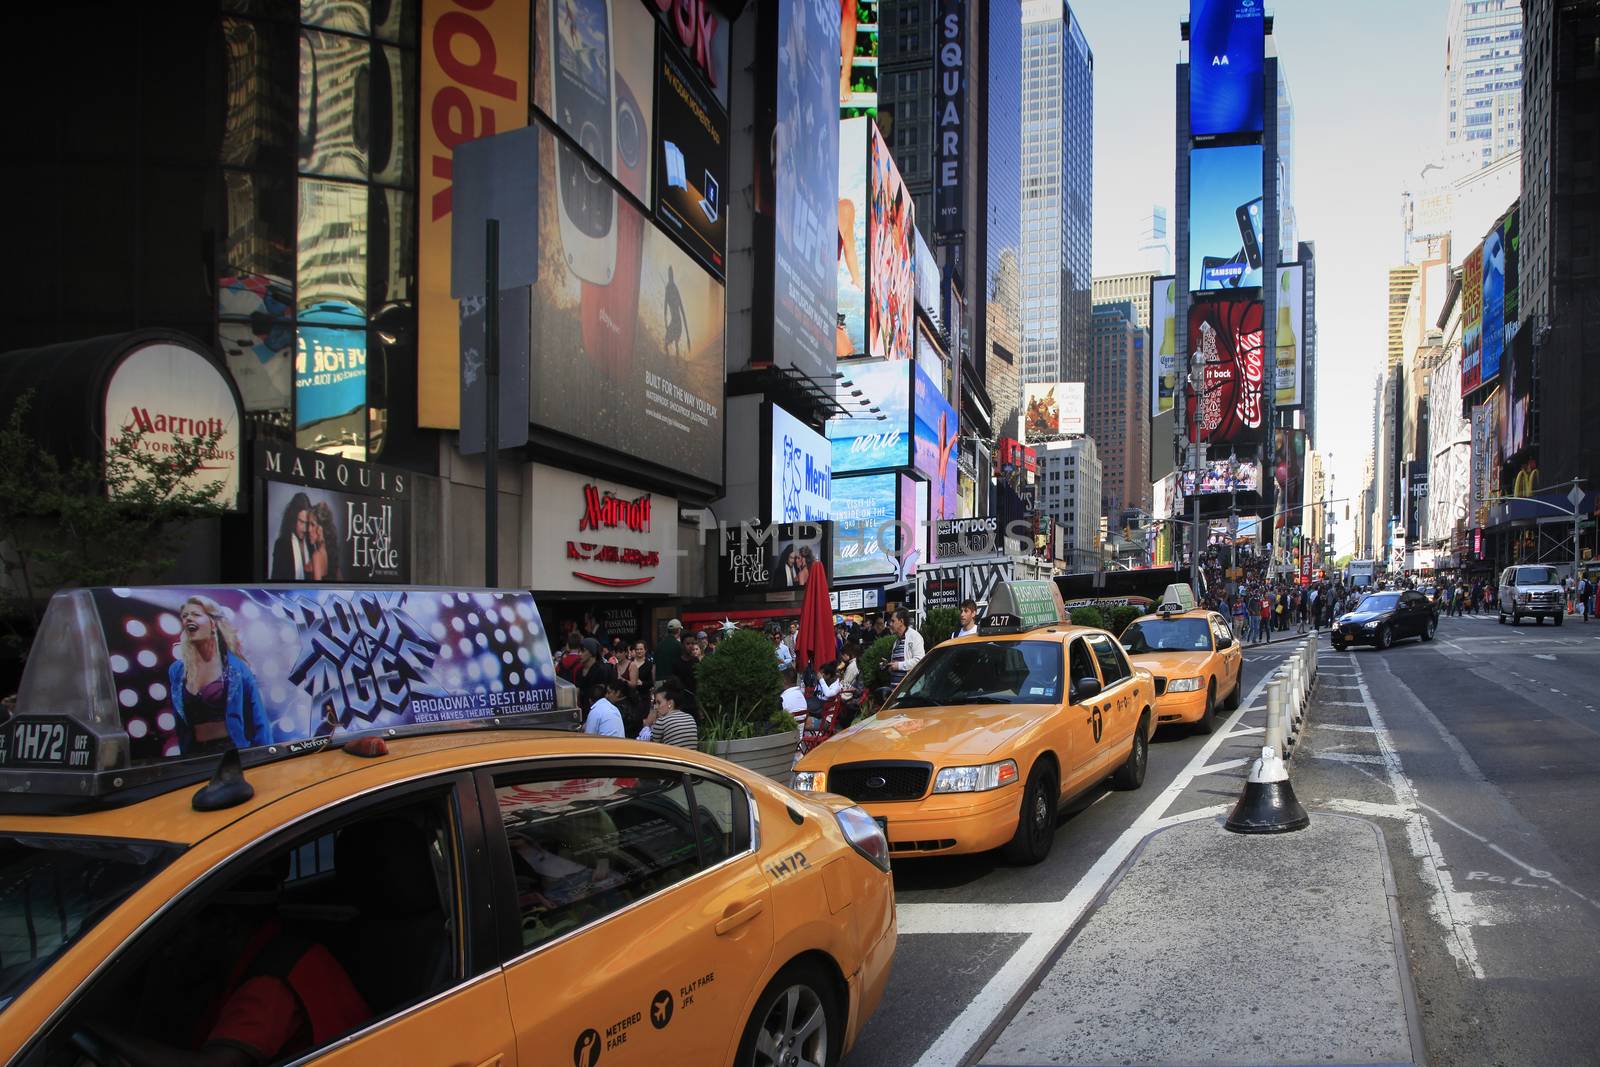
1483, 78
998, 246
1057, 192
1129, 288
1560, 250
1069, 487
1115, 408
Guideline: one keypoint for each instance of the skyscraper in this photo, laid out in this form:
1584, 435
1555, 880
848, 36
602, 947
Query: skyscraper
1115, 407
906, 42
1483, 78
1057, 192
999, 247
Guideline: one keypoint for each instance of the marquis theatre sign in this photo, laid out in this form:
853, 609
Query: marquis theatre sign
591, 535
327, 519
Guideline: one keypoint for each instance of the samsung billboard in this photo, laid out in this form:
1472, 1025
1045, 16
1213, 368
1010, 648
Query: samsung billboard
1227, 48
1225, 235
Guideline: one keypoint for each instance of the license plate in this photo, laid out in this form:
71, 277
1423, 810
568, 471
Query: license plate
883, 823
46, 743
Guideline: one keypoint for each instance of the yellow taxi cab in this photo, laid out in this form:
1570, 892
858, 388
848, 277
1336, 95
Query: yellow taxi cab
347, 845
980, 744
1195, 659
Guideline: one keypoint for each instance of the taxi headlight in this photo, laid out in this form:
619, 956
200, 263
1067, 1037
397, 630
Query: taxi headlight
1184, 685
864, 835
976, 779
810, 781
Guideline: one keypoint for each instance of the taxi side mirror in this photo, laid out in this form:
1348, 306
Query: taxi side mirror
1085, 689
1224, 642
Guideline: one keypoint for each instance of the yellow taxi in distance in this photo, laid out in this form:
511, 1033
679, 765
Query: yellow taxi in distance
400, 871
980, 744
1196, 662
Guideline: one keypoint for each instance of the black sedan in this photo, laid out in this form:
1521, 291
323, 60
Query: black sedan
1381, 619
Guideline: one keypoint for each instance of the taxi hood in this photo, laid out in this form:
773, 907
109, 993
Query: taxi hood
938, 735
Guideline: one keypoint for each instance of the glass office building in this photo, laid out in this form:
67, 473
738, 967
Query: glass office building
1057, 193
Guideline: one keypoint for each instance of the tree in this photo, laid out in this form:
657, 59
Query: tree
86, 523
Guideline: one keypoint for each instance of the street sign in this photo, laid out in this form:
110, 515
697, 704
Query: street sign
1575, 497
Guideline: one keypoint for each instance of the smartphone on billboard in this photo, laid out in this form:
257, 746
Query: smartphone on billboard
1249, 218
1219, 273
609, 311
581, 92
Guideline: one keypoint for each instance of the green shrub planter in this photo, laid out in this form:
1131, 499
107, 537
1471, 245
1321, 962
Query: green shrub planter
771, 754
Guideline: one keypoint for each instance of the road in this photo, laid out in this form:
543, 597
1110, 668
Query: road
1475, 755
973, 930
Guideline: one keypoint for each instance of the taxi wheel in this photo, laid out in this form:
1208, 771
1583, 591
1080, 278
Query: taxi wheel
796, 1021
1131, 774
1208, 721
1036, 825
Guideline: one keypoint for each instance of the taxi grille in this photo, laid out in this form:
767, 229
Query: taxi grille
884, 780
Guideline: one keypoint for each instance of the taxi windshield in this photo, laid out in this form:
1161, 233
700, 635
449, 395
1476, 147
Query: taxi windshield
988, 672
1379, 602
53, 889
1167, 635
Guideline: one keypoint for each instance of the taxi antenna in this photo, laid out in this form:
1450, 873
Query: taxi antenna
227, 787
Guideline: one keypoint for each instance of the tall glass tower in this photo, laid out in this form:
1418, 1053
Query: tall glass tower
1483, 78
1057, 192
1001, 194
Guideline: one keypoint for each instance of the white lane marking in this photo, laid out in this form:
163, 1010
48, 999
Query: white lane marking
1340, 704
955, 1044
1211, 812
1541, 655
1226, 765
1348, 757
1454, 911
1246, 731
1533, 872
1365, 808
1345, 729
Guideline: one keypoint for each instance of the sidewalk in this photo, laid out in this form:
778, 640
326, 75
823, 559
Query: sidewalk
1215, 948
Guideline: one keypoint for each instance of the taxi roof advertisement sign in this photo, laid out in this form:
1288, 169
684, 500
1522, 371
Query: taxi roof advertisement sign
206, 669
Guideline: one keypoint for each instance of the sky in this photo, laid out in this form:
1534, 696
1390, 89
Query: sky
1367, 81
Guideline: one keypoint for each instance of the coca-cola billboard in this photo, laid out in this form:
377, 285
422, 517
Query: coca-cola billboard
1226, 336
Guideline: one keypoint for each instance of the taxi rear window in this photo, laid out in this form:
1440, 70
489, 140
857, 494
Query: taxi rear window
1168, 635
53, 889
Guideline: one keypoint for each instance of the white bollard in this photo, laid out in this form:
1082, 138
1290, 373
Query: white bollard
1277, 737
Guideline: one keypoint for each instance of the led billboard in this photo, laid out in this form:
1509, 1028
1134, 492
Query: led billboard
1289, 475
865, 534
804, 179
891, 271
691, 158
1227, 46
1163, 344
593, 77
1225, 334
1289, 360
935, 444
1492, 331
1052, 411
1472, 321
1223, 476
628, 328
1225, 236
867, 441
801, 467
851, 336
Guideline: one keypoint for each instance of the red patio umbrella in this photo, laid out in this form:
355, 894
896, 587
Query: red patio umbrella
814, 644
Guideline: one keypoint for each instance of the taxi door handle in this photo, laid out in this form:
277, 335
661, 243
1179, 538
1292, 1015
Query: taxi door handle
494, 1061
732, 920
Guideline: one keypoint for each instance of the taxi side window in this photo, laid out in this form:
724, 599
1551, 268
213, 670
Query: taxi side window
1112, 667
584, 848
722, 812
291, 947
1081, 661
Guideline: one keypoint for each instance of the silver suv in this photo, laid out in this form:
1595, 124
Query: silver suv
1533, 591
